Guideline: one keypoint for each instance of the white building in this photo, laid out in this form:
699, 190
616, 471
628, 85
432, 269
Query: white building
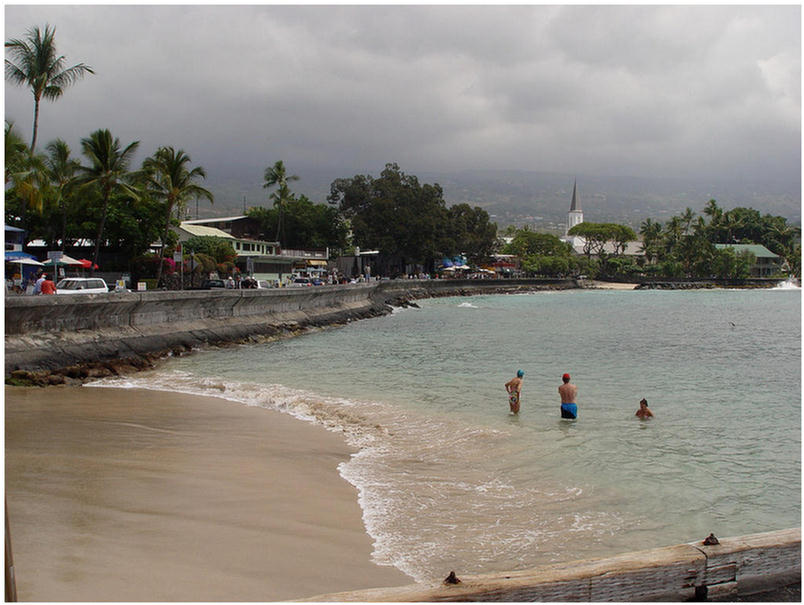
574, 217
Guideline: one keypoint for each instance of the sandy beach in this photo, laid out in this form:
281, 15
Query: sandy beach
133, 495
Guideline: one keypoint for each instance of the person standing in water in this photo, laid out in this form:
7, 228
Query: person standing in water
514, 388
643, 412
568, 392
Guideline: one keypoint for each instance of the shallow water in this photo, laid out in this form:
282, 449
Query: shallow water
448, 479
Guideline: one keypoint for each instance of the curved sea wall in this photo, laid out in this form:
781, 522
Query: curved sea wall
730, 568
117, 331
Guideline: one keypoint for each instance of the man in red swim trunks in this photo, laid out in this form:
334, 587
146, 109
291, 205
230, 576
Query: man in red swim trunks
568, 393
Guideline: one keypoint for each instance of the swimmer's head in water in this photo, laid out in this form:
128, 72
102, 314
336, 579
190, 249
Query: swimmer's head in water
565, 378
645, 401
520, 373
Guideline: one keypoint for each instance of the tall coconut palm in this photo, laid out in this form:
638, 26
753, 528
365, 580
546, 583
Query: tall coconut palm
277, 175
108, 170
61, 169
168, 178
38, 66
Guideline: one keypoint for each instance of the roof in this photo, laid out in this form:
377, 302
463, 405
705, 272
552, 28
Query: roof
633, 248
201, 231
17, 229
756, 249
574, 205
202, 221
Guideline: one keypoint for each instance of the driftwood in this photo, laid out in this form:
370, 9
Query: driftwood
694, 571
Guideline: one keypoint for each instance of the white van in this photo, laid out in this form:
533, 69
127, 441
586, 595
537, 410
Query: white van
81, 285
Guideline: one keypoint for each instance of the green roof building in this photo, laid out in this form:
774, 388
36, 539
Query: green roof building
767, 263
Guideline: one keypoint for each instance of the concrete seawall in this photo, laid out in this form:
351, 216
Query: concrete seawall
734, 568
48, 333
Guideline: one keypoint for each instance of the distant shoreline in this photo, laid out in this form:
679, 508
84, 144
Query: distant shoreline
52, 340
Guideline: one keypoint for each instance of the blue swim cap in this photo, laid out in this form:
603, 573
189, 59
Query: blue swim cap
520, 373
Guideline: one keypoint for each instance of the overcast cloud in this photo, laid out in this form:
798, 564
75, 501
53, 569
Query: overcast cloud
640, 91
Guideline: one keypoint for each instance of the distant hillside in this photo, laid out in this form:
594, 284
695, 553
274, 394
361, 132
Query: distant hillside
533, 198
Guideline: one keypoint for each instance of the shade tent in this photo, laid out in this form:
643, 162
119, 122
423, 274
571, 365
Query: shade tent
15, 254
64, 260
25, 261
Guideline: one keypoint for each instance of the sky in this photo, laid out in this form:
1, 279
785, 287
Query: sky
645, 91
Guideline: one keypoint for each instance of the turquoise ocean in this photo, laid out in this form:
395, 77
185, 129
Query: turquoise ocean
448, 480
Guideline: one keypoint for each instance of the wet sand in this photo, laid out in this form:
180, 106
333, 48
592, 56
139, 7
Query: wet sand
132, 495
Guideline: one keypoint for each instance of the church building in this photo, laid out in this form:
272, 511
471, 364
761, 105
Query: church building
575, 215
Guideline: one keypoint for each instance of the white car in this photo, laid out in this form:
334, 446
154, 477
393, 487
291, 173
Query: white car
81, 285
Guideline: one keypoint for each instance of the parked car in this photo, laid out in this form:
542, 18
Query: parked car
209, 284
301, 282
81, 285
317, 282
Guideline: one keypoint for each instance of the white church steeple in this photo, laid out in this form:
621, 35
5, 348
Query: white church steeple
575, 215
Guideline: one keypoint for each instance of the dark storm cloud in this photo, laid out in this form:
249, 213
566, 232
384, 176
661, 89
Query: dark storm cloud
664, 91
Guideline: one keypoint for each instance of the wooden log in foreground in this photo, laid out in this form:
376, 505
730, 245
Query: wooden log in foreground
741, 565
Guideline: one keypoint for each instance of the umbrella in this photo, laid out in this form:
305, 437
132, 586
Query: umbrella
86, 264
64, 260
15, 254
25, 261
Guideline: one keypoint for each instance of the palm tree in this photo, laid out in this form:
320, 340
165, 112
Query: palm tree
108, 170
650, 231
16, 152
25, 172
276, 175
41, 68
61, 170
168, 178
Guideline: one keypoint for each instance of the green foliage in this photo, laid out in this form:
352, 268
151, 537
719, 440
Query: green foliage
685, 245
307, 225
469, 231
408, 221
728, 264
216, 248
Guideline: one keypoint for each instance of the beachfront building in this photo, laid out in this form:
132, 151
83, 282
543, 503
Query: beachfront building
766, 264
15, 238
259, 258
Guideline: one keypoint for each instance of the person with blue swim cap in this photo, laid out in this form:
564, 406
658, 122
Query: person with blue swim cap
514, 388
568, 392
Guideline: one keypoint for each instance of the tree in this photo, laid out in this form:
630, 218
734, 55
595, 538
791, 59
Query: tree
108, 171
39, 66
650, 231
469, 231
217, 248
394, 214
61, 170
26, 179
277, 175
168, 179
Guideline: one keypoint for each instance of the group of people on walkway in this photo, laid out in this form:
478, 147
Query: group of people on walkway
568, 393
41, 284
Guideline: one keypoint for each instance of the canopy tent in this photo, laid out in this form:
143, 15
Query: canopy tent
64, 260
25, 261
15, 254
